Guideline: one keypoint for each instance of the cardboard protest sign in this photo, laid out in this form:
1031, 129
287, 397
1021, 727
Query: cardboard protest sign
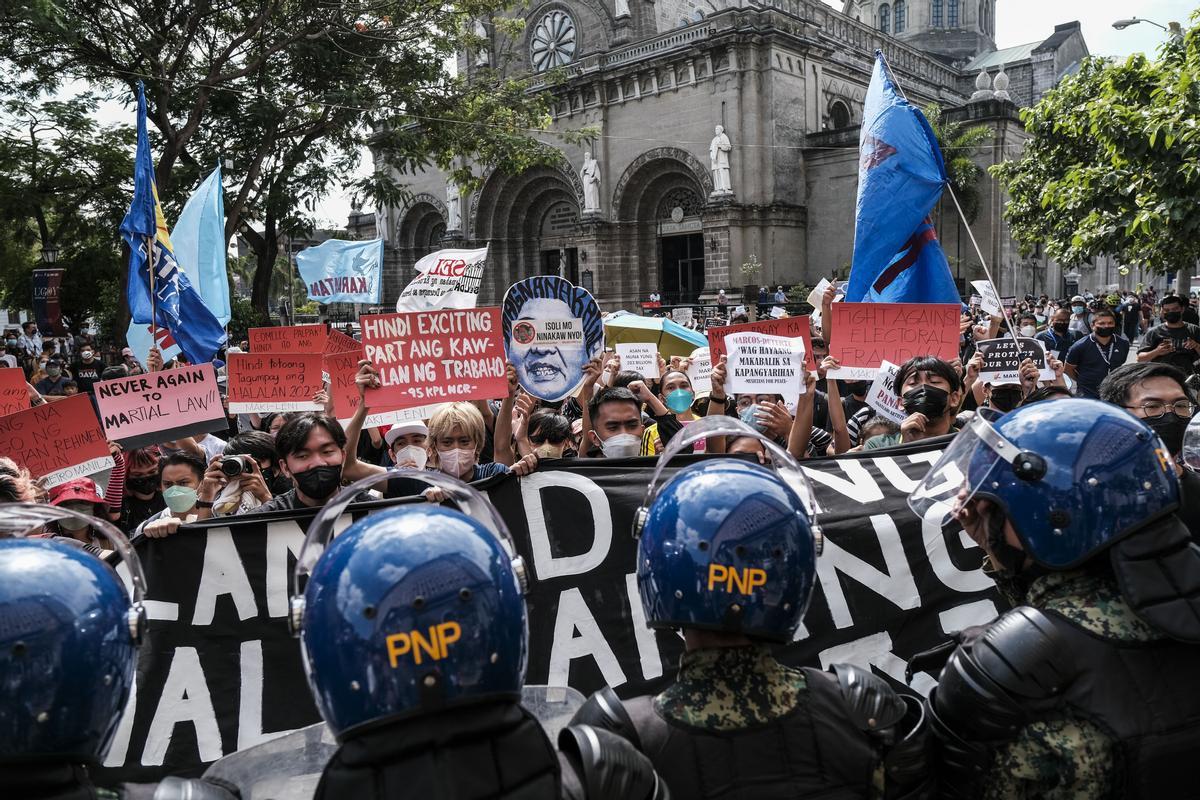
289, 339
161, 406
789, 328
989, 299
867, 334
339, 342
882, 395
435, 356
1002, 360
639, 357
975, 301
778, 312
445, 279
57, 441
1009, 302
551, 330
262, 382
700, 370
818, 292
342, 369
14, 393
759, 364
682, 315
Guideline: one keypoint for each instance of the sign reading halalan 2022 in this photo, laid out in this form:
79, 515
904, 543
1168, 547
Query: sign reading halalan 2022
435, 356
56, 441
161, 406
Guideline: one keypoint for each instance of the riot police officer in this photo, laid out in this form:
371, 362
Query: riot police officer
69, 633
414, 633
727, 554
1087, 688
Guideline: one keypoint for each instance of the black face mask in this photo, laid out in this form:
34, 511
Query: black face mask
142, 484
854, 387
1170, 428
1104, 333
1173, 316
1061, 327
318, 482
926, 399
278, 484
1004, 400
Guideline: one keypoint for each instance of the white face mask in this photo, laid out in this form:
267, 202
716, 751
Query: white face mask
455, 462
1028, 330
623, 445
414, 453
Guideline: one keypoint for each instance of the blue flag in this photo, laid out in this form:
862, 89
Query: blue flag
897, 257
340, 271
199, 242
178, 307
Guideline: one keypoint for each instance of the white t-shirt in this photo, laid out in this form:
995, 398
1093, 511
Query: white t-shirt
212, 447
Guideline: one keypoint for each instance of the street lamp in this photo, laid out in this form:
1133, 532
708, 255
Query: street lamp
1173, 28
49, 254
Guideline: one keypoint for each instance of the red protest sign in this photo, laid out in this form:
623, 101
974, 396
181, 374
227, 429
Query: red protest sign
57, 441
435, 356
289, 339
14, 394
342, 369
161, 406
867, 334
790, 328
265, 382
339, 342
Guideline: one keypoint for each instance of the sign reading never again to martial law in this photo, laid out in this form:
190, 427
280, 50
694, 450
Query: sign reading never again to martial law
789, 328
428, 357
289, 339
445, 279
552, 328
57, 441
219, 671
342, 368
867, 334
258, 383
161, 406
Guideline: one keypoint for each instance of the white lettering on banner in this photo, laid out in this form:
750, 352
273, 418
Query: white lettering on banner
222, 574
876, 651
155, 609
956, 619
282, 538
896, 585
861, 488
250, 730
118, 751
643, 637
934, 536
184, 699
574, 615
545, 564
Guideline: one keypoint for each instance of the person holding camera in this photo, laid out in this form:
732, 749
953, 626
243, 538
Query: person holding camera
244, 478
180, 476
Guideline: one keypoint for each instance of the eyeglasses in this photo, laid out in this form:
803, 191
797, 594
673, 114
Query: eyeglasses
1155, 409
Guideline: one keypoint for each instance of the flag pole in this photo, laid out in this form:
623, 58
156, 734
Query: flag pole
153, 293
970, 234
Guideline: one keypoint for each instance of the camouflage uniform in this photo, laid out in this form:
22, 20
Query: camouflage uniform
1067, 758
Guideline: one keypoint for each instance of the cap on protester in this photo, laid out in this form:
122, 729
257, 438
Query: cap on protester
1077, 298
127, 351
80, 489
403, 428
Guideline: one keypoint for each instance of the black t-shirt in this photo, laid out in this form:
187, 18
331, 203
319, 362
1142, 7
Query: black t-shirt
135, 511
1181, 358
88, 374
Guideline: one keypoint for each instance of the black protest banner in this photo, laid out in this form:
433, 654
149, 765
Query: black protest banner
1002, 360
219, 672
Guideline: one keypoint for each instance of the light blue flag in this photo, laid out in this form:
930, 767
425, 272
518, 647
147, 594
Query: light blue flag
897, 257
199, 243
339, 271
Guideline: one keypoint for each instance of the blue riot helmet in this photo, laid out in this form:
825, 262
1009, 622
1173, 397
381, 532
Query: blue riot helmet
726, 544
1073, 477
410, 609
68, 638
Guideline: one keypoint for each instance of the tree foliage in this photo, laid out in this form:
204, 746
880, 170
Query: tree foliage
959, 143
1114, 163
293, 93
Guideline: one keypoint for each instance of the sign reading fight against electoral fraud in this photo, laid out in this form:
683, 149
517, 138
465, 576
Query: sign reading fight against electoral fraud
428, 357
340, 271
867, 334
57, 441
552, 328
161, 406
445, 279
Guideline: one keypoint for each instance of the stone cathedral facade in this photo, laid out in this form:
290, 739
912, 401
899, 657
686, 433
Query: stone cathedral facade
727, 130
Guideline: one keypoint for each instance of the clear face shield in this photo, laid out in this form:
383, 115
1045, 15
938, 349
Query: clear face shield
967, 465
469, 501
18, 520
1190, 453
784, 465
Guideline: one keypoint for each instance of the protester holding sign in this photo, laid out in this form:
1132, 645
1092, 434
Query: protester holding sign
931, 391
551, 330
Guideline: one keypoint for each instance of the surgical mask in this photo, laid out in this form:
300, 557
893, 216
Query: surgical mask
680, 400
1028, 330
412, 452
11, 342
548, 450
142, 484
1104, 333
623, 445
318, 482
73, 524
179, 498
1170, 427
1173, 316
749, 417
1077, 309
54, 372
926, 399
1061, 327
456, 461
86, 355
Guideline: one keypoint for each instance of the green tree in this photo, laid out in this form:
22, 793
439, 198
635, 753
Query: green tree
1114, 163
959, 143
64, 184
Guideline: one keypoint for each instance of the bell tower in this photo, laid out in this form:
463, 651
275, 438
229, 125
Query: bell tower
954, 30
